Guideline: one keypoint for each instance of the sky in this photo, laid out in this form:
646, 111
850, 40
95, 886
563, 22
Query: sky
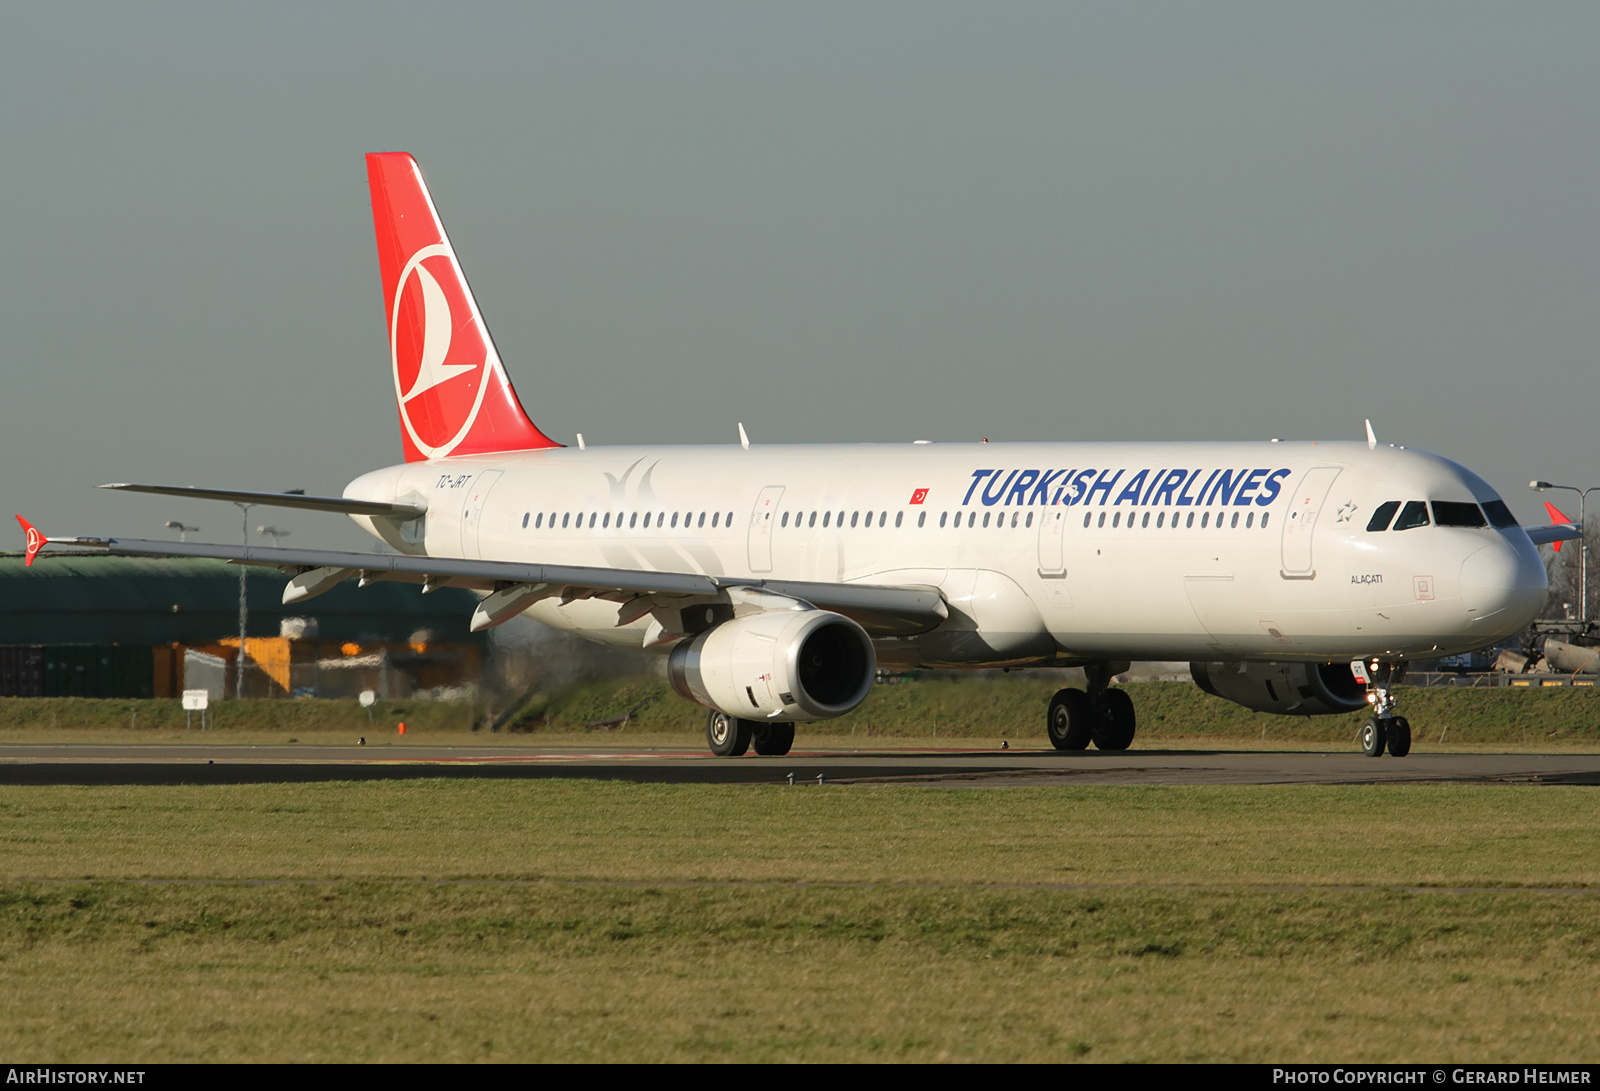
835, 222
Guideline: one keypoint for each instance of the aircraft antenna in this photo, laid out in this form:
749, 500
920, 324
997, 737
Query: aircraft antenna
1372, 437
744, 438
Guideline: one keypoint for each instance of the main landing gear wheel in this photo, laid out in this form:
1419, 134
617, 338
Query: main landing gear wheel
772, 740
1399, 737
1374, 735
1069, 720
1114, 727
727, 736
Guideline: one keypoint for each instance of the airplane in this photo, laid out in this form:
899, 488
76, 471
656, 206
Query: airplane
1296, 577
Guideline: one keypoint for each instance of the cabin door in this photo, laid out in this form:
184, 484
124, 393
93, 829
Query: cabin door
472, 513
763, 518
1301, 521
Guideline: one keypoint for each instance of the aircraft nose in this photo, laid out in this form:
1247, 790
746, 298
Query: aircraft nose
1502, 587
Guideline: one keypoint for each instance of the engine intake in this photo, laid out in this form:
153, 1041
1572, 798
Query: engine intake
1288, 689
786, 665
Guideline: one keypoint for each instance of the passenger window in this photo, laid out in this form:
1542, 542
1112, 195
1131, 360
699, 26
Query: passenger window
525, 516
1102, 521
1029, 522
1499, 515
1382, 515
633, 520
1457, 513
1234, 522
1086, 517
853, 517
1145, 521
702, 521
592, 517
898, 516
1116, 518
942, 516
729, 522
1161, 517
985, 518
825, 517
565, 518
813, 520
841, 519
1204, 519
1189, 522
1414, 514
785, 521
606, 522
883, 517
538, 521
1250, 520
922, 517
1264, 516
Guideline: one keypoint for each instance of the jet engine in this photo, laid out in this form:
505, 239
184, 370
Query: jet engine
783, 665
1289, 689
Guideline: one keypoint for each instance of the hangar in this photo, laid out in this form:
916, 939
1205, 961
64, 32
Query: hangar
110, 625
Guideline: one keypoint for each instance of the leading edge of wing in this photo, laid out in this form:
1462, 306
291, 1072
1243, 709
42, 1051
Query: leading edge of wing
881, 610
279, 500
1555, 532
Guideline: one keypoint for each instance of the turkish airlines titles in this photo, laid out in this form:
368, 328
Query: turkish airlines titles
1172, 488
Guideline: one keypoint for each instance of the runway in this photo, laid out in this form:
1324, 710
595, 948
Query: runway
93, 764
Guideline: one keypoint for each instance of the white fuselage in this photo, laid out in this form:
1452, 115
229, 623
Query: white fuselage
1045, 552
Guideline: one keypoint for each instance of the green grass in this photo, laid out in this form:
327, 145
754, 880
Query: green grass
572, 920
401, 972
977, 708
559, 829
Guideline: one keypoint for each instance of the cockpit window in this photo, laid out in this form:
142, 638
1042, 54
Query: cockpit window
1383, 515
1457, 513
1414, 514
1499, 515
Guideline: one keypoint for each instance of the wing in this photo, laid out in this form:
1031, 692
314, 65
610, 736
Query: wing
1555, 532
513, 586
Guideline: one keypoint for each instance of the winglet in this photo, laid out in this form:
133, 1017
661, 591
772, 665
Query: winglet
36, 541
1555, 517
1372, 437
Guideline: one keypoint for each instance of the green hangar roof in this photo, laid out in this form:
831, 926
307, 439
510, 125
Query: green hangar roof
97, 598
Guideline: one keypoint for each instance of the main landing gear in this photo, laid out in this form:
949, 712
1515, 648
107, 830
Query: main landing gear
1103, 715
729, 736
1382, 730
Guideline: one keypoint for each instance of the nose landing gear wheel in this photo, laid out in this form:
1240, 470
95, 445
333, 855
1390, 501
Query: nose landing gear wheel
727, 736
1068, 720
1374, 736
772, 740
1399, 737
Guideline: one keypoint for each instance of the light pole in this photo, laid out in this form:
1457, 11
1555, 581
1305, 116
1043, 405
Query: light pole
183, 529
1583, 543
244, 602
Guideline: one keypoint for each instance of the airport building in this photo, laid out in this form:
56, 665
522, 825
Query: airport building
109, 625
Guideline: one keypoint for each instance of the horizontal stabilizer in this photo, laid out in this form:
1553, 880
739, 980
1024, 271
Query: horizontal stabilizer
283, 500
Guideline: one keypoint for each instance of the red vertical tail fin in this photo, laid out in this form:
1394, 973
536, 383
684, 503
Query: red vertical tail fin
450, 386
1555, 517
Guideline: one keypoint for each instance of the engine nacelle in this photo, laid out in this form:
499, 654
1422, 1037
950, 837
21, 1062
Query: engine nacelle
785, 665
1289, 689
